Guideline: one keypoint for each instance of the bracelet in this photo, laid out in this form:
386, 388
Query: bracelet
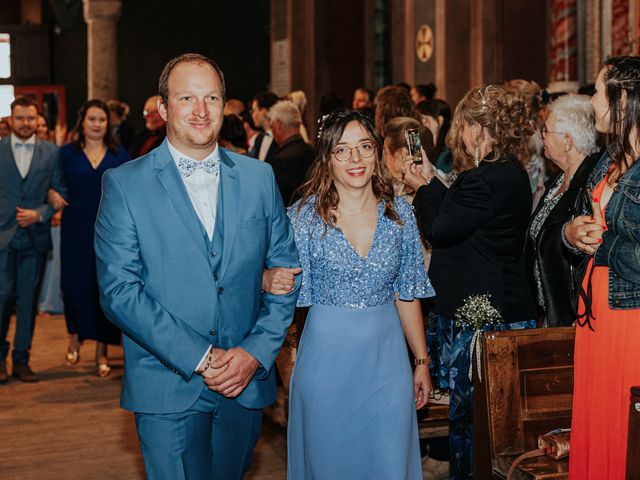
208, 364
423, 361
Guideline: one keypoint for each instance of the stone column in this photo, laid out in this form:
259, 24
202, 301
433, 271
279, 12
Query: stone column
564, 46
102, 47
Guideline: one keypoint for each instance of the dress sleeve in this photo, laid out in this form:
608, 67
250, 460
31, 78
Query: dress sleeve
412, 280
301, 221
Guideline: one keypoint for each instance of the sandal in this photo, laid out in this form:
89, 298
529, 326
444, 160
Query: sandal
72, 357
104, 370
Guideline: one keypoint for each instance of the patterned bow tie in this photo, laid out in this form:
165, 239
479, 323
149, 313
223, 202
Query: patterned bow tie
187, 167
28, 146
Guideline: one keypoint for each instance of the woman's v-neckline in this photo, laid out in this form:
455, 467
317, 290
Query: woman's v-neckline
373, 239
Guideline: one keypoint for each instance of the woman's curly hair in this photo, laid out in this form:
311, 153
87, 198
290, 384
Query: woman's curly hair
505, 115
319, 183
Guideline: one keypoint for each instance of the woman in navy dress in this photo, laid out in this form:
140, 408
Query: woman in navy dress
353, 396
84, 162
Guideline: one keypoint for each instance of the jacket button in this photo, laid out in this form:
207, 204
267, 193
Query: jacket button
221, 290
212, 332
215, 277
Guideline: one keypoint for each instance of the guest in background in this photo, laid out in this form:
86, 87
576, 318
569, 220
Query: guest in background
362, 272
250, 129
263, 148
436, 116
42, 129
570, 142
422, 93
294, 157
84, 162
234, 106
121, 129
607, 356
29, 167
232, 134
50, 299
396, 154
154, 130
331, 103
5, 128
477, 229
299, 98
533, 158
362, 99
392, 102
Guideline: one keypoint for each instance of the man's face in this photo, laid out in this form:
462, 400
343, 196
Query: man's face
5, 129
361, 100
415, 95
24, 121
259, 115
194, 107
152, 119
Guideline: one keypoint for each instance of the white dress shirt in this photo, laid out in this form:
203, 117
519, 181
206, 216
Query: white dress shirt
264, 146
202, 188
23, 153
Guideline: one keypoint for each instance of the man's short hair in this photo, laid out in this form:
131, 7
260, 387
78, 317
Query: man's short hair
163, 83
25, 101
265, 99
286, 112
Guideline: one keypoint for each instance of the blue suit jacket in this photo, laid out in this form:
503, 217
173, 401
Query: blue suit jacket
31, 192
157, 285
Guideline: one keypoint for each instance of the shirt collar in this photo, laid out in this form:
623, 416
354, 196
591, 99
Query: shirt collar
177, 154
31, 140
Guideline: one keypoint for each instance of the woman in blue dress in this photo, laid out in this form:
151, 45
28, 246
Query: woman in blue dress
353, 396
84, 162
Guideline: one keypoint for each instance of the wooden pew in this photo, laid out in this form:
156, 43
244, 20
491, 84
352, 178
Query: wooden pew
633, 438
526, 391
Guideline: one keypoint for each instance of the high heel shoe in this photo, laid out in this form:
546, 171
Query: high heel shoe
72, 357
104, 370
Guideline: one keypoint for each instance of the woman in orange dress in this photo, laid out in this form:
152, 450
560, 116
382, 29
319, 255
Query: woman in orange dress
607, 346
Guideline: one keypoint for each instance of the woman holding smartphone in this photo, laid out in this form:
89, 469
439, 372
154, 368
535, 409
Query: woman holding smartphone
477, 231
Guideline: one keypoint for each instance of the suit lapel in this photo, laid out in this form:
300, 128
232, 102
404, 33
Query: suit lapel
168, 176
10, 161
231, 200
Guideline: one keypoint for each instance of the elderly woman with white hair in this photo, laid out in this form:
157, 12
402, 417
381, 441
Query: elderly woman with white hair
570, 142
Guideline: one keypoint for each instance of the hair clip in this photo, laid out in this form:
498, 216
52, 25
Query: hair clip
321, 122
483, 97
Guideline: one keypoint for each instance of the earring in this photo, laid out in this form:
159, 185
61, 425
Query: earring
476, 156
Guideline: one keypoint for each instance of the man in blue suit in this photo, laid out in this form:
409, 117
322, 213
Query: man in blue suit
182, 237
28, 169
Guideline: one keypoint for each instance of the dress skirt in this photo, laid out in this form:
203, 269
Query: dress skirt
352, 413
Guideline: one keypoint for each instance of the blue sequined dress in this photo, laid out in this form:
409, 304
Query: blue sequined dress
352, 412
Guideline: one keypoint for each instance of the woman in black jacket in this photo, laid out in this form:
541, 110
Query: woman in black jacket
554, 273
477, 230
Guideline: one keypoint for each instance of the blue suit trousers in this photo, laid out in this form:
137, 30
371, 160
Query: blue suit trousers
214, 439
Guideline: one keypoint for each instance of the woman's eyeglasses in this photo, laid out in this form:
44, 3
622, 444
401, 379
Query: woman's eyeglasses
343, 153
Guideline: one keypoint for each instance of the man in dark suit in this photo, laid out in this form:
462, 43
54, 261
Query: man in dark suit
154, 130
182, 237
28, 169
264, 148
294, 156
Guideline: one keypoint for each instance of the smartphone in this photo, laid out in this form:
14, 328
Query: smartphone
412, 137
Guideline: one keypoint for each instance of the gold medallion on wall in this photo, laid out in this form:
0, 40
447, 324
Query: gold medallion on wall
424, 43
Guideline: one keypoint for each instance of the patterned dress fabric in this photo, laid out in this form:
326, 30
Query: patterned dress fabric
352, 411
